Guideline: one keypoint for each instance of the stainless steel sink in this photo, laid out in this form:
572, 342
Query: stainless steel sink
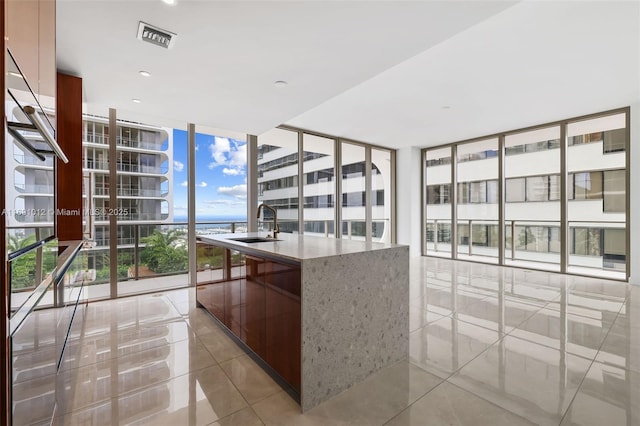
253, 239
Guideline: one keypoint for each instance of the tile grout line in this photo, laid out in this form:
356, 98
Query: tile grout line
592, 362
417, 399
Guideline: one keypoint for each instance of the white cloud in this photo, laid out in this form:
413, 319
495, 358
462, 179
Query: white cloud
185, 183
228, 152
221, 202
202, 184
238, 157
197, 147
232, 172
237, 191
219, 149
178, 166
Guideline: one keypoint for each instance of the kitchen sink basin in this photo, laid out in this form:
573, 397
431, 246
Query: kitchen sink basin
253, 239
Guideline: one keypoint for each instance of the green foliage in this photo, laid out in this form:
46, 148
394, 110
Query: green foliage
23, 269
102, 275
125, 261
163, 253
211, 256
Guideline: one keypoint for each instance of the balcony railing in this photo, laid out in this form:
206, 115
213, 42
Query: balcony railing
129, 216
159, 259
134, 143
35, 216
122, 141
141, 192
138, 258
33, 188
95, 138
31, 160
137, 168
132, 192
124, 167
534, 242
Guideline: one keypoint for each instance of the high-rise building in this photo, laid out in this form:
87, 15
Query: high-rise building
143, 175
281, 181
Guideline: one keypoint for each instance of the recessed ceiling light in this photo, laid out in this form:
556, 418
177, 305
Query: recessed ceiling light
280, 83
144, 73
136, 100
171, 2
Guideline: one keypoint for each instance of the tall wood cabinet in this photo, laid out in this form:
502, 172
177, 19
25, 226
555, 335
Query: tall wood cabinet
29, 30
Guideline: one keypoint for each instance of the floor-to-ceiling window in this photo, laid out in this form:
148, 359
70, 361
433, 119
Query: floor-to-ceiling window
278, 177
532, 198
596, 187
381, 194
438, 201
477, 200
353, 191
319, 185
580, 229
345, 188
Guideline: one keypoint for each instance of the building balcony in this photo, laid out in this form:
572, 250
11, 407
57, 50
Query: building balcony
34, 189
100, 217
132, 192
140, 192
34, 216
33, 161
123, 142
127, 168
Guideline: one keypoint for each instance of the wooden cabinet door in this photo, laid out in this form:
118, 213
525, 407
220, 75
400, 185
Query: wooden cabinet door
254, 319
211, 297
234, 305
283, 320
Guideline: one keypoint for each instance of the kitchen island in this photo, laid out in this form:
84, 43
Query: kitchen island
322, 313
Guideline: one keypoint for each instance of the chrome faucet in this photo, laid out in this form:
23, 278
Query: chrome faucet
276, 230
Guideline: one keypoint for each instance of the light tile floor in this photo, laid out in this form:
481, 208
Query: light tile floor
488, 346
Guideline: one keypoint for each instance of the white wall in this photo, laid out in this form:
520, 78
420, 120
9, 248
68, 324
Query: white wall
408, 199
634, 257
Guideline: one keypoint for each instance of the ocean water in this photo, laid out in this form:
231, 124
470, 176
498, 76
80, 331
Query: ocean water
212, 218
214, 224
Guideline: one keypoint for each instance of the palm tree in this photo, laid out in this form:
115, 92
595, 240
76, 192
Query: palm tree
14, 243
163, 254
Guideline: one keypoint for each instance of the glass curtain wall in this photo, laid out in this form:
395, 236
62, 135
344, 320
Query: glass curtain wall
353, 191
596, 187
438, 201
278, 178
477, 201
381, 185
535, 221
282, 179
532, 198
95, 140
319, 185
149, 249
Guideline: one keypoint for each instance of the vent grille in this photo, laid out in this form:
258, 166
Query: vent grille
155, 35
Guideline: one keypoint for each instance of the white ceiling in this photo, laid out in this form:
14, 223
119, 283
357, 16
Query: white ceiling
376, 71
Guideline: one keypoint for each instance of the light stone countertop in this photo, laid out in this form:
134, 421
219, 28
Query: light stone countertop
295, 247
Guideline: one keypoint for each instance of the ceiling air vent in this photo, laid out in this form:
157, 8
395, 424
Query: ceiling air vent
155, 35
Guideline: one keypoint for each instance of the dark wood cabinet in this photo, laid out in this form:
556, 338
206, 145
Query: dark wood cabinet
254, 325
283, 320
260, 304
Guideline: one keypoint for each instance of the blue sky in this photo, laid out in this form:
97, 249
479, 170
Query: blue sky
221, 176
